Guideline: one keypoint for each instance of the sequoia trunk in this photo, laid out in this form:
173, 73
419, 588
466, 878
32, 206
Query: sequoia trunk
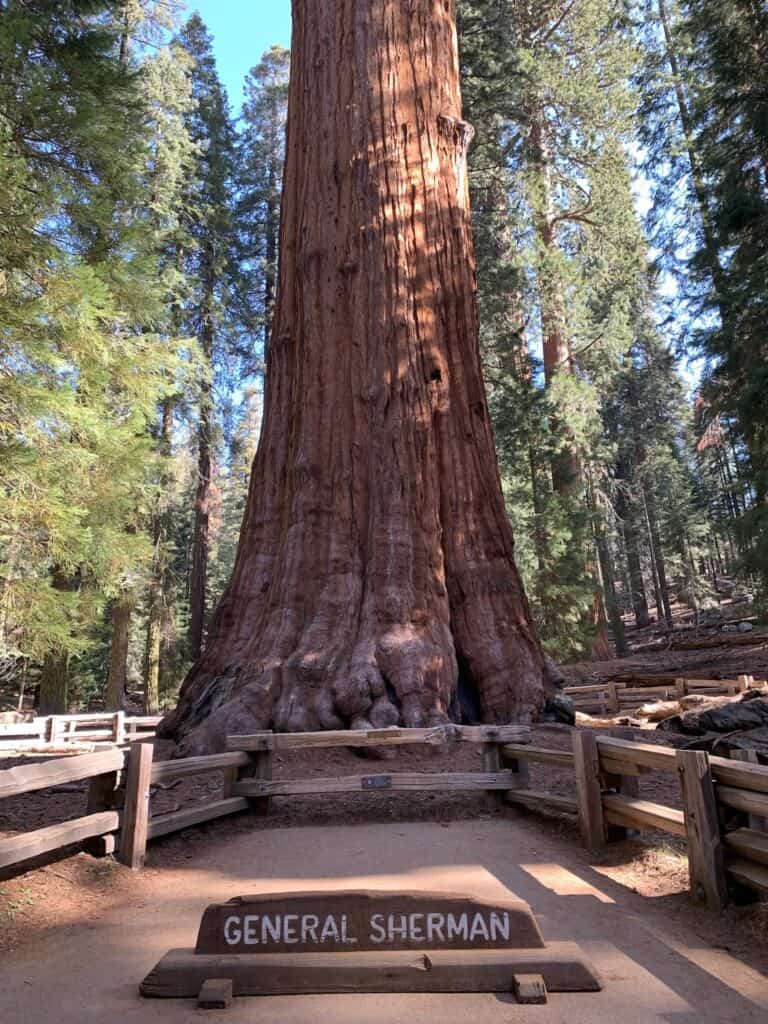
375, 563
117, 676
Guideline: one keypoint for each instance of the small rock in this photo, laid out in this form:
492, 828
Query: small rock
745, 627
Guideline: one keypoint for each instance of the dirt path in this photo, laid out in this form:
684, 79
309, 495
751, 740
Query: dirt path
659, 963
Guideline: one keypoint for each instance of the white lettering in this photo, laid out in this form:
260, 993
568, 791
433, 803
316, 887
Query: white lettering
417, 935
348, 940
330, 930
290, 924
233, 933
499, 926
249, 930
271, 925
400, 930
309, 926
435, 926
479, 929
377, 924
457, 928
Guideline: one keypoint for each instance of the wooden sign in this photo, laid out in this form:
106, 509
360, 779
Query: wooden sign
313, 942
355, 921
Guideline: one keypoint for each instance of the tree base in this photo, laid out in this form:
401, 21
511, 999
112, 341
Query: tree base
296, 695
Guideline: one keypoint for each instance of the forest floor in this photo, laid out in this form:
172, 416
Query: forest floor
629, 907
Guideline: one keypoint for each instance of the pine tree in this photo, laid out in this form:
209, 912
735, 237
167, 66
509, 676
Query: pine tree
729, 109
82, 366
208, 264
259, 179
167, 81
553, 86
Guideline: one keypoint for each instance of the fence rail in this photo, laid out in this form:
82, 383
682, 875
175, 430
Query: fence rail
725, 805
59, 732
613, 698
97, 824
723, 816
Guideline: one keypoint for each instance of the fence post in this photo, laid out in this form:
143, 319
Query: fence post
53, 730
493, 761
750, 756
589, 795
259, 767
491, 757
520, 768
706, 864
135, 824
102, 796
627, 785
118, 728
613, 698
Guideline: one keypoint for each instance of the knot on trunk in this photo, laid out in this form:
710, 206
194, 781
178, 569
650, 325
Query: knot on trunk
459, 133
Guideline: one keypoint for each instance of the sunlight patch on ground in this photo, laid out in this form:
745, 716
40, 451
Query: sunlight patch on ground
562, 882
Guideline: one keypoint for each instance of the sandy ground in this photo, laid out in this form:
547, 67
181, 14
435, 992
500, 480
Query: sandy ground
659, 962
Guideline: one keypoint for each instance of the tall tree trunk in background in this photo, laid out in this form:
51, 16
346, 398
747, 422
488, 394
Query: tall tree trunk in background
270, 246
153, 648
198, 582
53, 694
54, 685
625, 513
637, 583
376, 559
158, 581
658, 557
608, 571
567, 475
117, 676
515, 363
567, 468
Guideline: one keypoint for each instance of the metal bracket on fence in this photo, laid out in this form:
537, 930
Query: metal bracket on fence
377, 782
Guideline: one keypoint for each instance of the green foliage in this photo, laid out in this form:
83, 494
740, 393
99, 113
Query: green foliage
559, 250
83, 361
259, 182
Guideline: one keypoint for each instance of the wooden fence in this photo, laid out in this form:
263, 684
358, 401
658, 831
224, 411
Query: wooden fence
59, 732
724, 803
617, 698
119, 795
100, 821
723, 816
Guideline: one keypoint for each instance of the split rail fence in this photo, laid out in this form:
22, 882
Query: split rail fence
118, 804
723, 816
616, 698
58, 732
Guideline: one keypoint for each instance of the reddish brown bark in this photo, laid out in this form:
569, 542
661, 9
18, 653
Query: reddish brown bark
117, 676
376, 560
198, 580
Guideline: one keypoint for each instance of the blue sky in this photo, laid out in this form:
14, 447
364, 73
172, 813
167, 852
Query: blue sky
242, 30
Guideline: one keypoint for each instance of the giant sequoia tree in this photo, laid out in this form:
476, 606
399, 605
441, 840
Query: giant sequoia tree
375, 582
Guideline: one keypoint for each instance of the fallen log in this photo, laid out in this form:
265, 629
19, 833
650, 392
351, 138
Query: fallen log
704, 643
